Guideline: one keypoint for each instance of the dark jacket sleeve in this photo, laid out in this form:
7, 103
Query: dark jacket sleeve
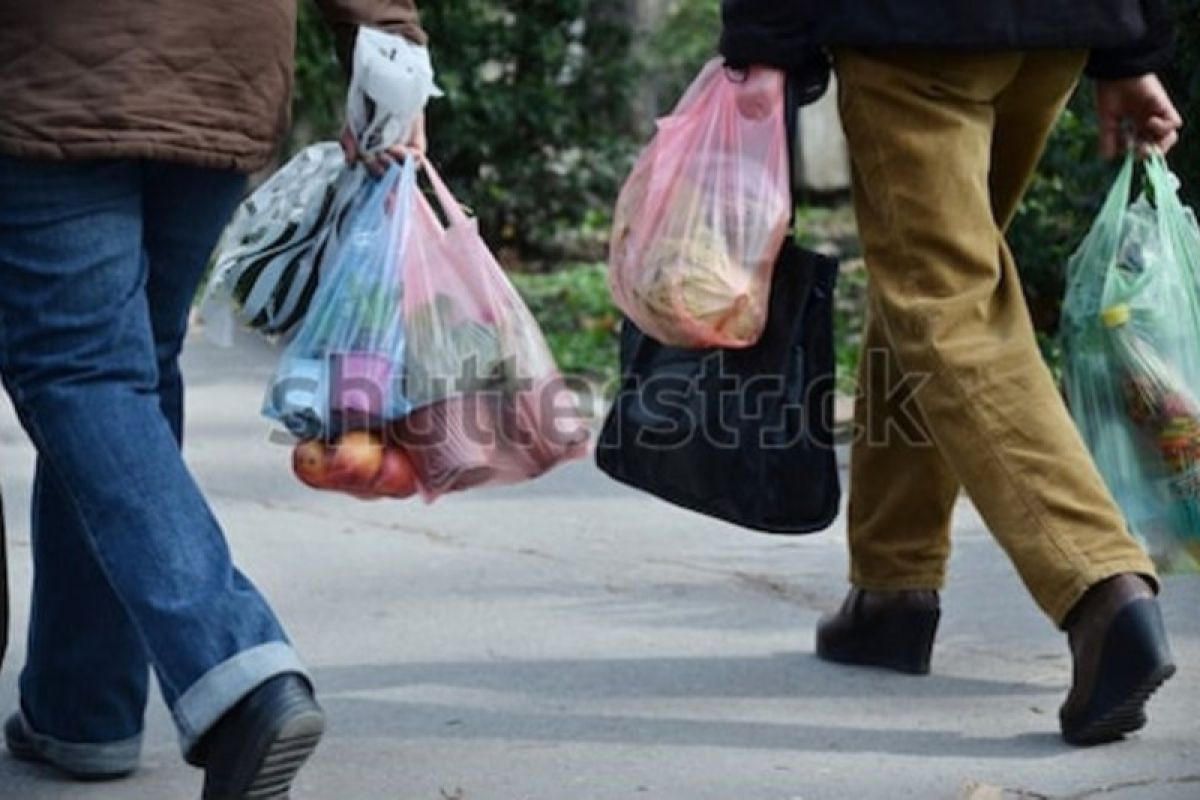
395, 16
776, 33
1151, 54
769, 32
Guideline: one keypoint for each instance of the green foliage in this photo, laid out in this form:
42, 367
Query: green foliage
532, 130
1057, 211
680, 46
1183, 79
849, 320
320, 92
576, 313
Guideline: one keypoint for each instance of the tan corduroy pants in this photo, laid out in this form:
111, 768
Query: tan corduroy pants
943, 145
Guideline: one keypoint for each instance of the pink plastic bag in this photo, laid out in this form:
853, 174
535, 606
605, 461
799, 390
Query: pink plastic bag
701, 219
489, 404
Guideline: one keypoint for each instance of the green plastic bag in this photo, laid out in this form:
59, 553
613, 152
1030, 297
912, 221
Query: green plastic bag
1131, 342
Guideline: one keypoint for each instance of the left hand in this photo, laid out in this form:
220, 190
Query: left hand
377, 164
1144, 105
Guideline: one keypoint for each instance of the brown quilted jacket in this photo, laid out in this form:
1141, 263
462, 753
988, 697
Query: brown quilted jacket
203, 82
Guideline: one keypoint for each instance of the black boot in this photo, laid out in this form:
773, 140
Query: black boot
1120, 654
256, 749
894, 630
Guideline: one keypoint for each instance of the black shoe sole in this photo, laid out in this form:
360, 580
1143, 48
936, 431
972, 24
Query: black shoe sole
280, 761
901, 642
1134, 664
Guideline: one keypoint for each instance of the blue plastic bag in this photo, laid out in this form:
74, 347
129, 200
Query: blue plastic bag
345, 367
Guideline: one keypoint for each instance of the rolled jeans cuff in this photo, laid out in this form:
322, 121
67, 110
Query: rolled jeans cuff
223, 686
86, 758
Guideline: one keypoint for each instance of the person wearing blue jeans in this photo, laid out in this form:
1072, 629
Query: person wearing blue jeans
125, 142
99, 261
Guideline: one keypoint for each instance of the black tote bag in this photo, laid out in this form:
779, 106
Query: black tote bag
742, 435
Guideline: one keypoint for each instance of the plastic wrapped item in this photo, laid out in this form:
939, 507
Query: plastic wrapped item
1131, 340
392, 82
344, 369
743, 435
267, 265
701, 219
489, 405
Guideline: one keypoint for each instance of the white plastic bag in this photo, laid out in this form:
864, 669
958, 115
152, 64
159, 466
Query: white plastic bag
392, 82
268, 261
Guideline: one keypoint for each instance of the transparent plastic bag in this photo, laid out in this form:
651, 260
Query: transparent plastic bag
344, 368
1131, 340
268, 262
488, 403
701, 219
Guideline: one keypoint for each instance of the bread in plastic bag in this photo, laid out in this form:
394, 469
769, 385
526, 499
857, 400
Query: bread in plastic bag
702, 217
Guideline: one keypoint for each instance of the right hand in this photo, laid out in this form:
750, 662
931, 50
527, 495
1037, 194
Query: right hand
1138, 106
378, 164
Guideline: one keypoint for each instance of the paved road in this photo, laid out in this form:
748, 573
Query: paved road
572, 639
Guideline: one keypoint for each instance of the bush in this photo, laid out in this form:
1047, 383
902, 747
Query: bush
575, 311
319, 97
532, 128
1183, 78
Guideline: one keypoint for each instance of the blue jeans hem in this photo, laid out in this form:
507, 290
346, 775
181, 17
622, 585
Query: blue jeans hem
85, 758
220, 689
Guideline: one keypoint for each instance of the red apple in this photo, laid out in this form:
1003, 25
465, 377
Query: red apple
310, 462
397, 477
355, 461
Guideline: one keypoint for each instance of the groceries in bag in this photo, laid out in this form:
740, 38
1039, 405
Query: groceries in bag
701, 219
1167, 415
418, 339
1131, 343
344, 368
489, 404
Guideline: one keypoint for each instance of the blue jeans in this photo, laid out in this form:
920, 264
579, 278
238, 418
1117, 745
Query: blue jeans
99, 262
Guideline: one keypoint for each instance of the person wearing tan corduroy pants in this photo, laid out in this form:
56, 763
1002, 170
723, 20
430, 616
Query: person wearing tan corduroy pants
943, 146
954, 394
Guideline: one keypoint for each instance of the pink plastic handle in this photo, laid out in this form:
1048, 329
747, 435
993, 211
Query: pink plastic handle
450, 207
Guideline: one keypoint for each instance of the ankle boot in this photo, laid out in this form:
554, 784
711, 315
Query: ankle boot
894, 630
1120, 654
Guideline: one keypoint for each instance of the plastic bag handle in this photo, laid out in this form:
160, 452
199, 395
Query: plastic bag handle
1105, 233
450, 206
1162, 183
